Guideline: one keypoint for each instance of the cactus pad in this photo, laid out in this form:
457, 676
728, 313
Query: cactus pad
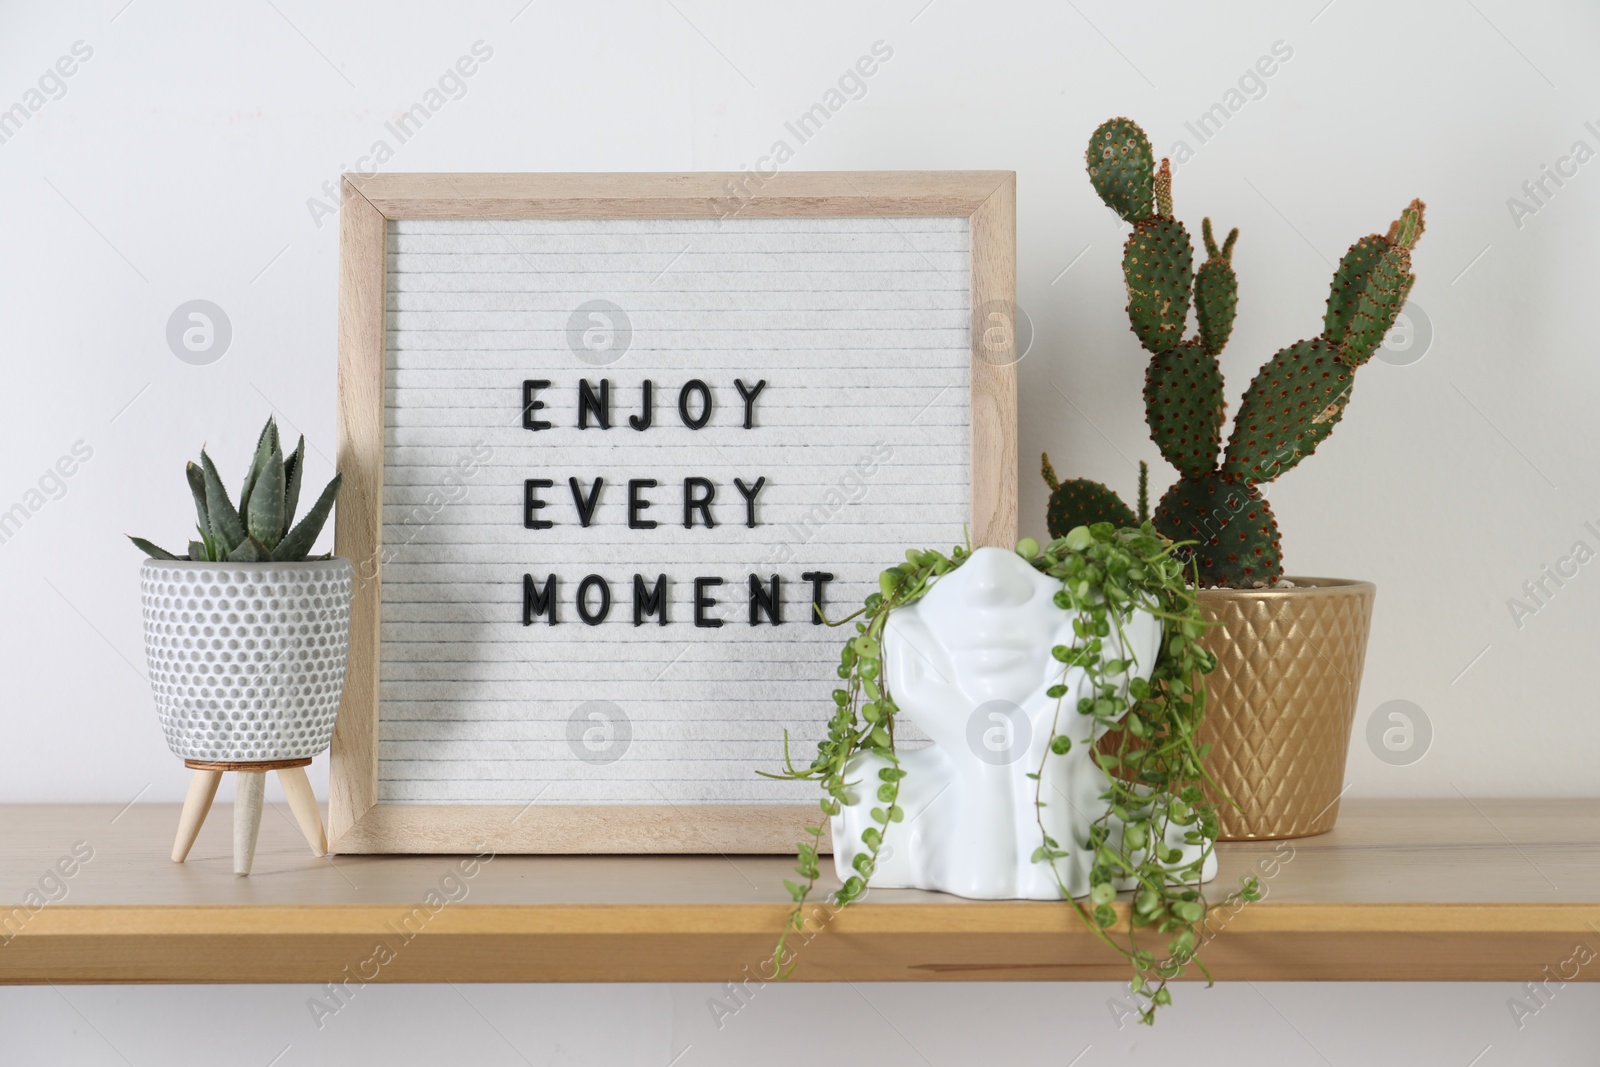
1122, 168
1349, 278
1404, 231
1216, 299
1184, 406
1163, 186
1235, 533
1158, 267
1048, 472
1082, 502
1294, 402
1378, 306
1212, 251
1216, 291
1370, 287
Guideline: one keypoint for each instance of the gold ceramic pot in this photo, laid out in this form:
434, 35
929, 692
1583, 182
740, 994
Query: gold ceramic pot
1280, 705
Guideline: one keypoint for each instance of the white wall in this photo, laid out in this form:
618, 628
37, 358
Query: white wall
179, 162
183, 157
1372, 1024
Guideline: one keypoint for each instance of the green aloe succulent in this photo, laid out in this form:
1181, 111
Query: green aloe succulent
1291, 406
262, 528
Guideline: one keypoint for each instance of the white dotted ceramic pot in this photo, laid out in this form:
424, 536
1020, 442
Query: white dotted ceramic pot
246, 659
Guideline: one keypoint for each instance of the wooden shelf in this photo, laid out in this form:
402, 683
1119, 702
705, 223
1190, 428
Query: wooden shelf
1401, 890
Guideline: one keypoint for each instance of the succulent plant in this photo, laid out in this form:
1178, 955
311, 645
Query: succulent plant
262, 528
1292, 405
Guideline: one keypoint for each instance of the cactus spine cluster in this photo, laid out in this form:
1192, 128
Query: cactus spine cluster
262, 528
1293, 403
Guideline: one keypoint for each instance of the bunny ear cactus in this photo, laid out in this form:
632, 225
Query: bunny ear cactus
1123, 168
1292, 405
1216, 290
262, 528
1083, 502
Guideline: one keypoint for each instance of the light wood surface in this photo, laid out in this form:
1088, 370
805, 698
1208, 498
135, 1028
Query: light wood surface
787, 194
303, 803
1400, 890
249, 793
358, 517
246, 765
356, 821
574, 829
202, 791
994, 373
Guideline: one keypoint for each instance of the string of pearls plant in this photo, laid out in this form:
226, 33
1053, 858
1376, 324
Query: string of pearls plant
1147, 747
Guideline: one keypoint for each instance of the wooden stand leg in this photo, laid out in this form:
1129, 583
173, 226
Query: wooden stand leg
202, 790
303, 802
248, 792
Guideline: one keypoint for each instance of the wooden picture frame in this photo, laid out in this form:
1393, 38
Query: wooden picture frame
358, 822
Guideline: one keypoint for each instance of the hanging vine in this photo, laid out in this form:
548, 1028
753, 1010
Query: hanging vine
1144, 734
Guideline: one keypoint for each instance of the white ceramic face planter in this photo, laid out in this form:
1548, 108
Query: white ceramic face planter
969, 664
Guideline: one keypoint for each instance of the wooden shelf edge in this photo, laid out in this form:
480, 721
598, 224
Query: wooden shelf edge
667, 957
1003, 941
934, 920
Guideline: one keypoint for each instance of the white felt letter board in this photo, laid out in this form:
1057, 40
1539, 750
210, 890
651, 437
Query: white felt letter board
611, 440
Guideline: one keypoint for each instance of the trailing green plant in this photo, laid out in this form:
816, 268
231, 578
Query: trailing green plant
262, 528
1149, 747
1292, 405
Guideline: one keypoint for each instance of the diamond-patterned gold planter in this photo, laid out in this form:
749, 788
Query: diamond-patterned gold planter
1280, 705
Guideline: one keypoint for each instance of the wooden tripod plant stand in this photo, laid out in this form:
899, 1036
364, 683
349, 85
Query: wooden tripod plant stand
250, 789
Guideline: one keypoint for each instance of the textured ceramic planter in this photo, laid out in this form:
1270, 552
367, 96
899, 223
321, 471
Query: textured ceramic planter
1280, 705
246, 660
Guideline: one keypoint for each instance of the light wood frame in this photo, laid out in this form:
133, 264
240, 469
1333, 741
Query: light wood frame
357, 822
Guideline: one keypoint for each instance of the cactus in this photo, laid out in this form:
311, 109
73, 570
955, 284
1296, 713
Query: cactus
1086, 502
262, 528
1232, 530
1216, 291
1122, 168
1216, 508
1158, 263
1184, 408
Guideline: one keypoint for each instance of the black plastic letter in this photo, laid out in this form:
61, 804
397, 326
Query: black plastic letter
750, 400
763, 601
599, 405
694, 385
818, 579
594, 581
585, 505
652, 601
703, 602
749, 494
531, 405
637, 503
531, 503
693, 502
642, 420
536, 601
